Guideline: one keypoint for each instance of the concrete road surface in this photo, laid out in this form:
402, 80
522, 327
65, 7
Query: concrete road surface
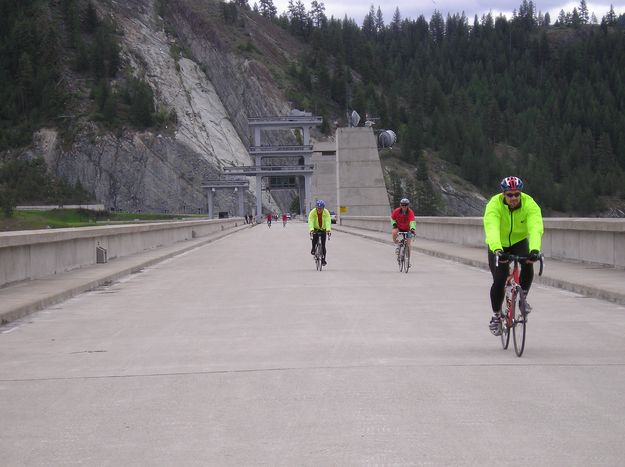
241, 353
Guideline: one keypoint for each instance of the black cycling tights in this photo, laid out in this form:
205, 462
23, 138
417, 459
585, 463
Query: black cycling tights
323, 241
500, 274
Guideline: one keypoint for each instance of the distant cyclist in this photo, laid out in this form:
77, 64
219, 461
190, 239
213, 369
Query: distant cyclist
513, 224
269, 217
403, 220
319, 225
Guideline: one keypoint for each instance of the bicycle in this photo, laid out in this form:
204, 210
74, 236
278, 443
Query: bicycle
403, 253
515, 317
319, 250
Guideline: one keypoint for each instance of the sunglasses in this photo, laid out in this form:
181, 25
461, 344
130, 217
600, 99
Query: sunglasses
513, 195
403, 205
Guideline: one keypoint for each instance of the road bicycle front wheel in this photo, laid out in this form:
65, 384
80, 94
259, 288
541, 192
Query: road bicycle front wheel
318, 257
402, 257
505, 328
505, 333
520, 323
407, 261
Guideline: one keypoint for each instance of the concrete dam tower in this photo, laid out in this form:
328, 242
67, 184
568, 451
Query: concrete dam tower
348, 174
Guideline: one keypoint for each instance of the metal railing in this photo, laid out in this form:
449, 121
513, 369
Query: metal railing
285, 119
281, 150
269, 169
244, 183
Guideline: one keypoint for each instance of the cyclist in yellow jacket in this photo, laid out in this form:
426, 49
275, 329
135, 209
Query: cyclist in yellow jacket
319, 225
513, 224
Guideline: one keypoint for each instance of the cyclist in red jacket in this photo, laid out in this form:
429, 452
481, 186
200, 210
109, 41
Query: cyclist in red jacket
403, 220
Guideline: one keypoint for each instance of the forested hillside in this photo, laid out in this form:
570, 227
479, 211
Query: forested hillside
492, 95
489, 96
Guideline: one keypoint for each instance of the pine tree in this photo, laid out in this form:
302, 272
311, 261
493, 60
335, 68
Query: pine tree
368, 24
575, 19
317, 14
610, 17
91, 18
426, 202
395, 190
396, 23
583, 12
268, 9
379, 21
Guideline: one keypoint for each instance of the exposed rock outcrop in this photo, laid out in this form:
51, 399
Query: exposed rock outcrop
134, 170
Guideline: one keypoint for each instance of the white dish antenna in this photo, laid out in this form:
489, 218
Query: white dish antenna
354, 118
387, 138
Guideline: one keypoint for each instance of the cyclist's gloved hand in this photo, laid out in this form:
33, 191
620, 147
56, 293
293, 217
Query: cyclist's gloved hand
394, 226
329, 234
503, 256
412, 231
534, 256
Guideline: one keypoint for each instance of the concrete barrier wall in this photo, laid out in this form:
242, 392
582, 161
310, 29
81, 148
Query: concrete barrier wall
33, 254
600, 241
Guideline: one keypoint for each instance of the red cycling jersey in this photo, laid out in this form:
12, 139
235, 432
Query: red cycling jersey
403, 220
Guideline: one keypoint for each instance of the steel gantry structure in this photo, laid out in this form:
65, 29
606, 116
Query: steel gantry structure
238, 185
261, 153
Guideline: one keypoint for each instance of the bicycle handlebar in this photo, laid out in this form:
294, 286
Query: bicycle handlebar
516, 259
328, 232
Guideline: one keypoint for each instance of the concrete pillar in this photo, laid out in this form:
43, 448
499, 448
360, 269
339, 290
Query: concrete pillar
211, 192
338, 183
307, 193
259, 195
258, 160
241, 193
302, 201
306, 131
256, 136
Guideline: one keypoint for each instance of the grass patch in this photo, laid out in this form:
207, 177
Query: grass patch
67, 218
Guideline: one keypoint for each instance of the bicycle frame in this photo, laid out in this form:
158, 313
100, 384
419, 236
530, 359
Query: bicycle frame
319, 249
511, 290
511, 320
403, 257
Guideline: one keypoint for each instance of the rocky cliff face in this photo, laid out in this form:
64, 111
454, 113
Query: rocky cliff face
163, 171
245, 86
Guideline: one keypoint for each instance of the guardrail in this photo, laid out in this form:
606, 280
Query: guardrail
589, 240
91, 207
33, 254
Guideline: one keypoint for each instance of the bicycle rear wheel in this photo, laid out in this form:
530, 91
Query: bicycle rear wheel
520, 323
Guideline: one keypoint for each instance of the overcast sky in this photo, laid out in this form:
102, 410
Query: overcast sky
357, 9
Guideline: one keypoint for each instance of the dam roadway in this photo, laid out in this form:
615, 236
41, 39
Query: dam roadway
240, 353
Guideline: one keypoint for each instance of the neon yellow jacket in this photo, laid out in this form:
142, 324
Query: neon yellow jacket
313, 221
503, 227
